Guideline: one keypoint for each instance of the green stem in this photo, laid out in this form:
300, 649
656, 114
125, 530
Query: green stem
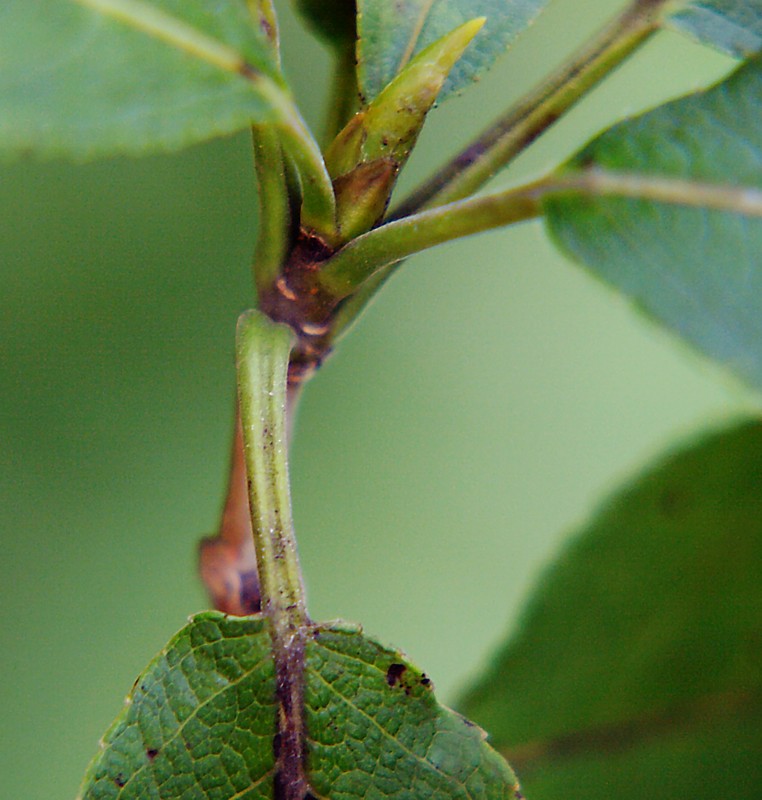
383, 247
369, 256
274, 207
263, 350
318, 203
538, 110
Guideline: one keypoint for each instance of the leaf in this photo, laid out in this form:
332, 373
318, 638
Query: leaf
697, 271
91, 77
733, 26
201, 721
390, 34
637, 669
200, 718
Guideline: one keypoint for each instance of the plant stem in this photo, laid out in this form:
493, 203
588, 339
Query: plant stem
383, 247
369, 255
538, 110
318, 203
274, 207
263, 350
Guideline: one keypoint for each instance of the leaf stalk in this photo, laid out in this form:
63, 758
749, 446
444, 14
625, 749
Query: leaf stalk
263, 350
508, 136
382, 248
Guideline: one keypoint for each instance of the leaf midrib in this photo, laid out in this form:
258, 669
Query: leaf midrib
625, 734
176, 32
415, 34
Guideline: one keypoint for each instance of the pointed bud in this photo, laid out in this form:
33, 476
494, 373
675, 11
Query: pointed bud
362, 195
395, 118
370, 150
389, 126
345, 151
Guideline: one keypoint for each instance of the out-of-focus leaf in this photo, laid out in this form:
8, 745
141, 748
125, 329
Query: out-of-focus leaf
390, 34
733, 26
637, 669
93, 77
201, 722
699, 272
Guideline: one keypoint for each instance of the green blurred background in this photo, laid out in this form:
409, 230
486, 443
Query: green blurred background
489, 399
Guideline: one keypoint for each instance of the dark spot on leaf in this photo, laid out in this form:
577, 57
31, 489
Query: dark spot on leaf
425, 680
517, 795
119, 780
152, 753
395, 673
467, 722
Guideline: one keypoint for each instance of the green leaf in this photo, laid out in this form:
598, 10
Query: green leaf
637, 670
201, 721
697, 271
390, 34
733, 26
91, 77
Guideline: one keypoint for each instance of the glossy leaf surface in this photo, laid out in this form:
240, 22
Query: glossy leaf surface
733, 26
699, 272
201, 722
390, 34
93, 77
637, 669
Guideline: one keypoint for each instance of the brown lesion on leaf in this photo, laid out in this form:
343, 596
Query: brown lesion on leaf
394, 673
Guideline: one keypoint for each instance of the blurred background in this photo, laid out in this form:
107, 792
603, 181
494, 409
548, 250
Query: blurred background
487, 402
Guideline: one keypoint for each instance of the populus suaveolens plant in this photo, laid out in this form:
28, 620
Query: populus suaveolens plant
637, 671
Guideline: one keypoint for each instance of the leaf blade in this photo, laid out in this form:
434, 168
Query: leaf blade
188, 700
202, 718
94, 77
636, 663
698, 272
732, 26
429, 752
390, 34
